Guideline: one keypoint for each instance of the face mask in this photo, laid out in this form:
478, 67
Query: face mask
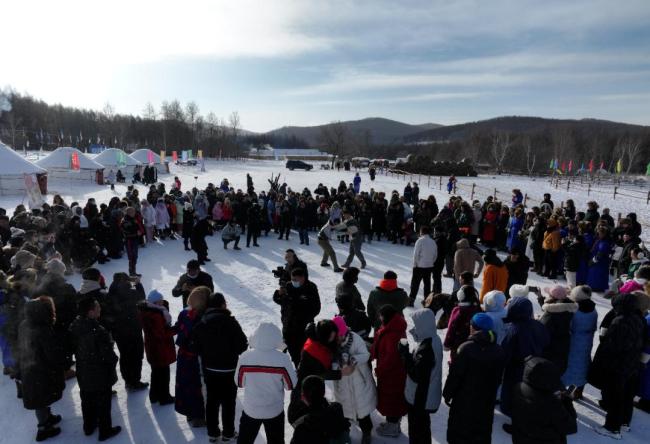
295, 284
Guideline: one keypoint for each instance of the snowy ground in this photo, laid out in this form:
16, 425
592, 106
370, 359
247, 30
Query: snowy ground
246, 280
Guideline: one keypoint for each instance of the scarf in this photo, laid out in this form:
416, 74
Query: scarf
388, 284
319, 352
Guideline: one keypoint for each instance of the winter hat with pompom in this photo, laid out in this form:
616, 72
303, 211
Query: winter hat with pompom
556, 292
341, 325
518, 291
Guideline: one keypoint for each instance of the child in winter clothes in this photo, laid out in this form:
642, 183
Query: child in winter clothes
494, 305
458, 327
641, 276
158, 345
264, 372
162, 218
390, 370
423, 391
583, 327
357, 392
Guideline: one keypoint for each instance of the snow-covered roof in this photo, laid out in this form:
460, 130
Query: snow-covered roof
62, 158
12, 163
142, 155
110, 157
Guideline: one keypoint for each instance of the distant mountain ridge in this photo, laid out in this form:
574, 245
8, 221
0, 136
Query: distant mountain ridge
380, 130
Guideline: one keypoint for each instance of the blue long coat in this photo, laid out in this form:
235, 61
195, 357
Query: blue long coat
644, 386
598, 275
514, 226
583, 327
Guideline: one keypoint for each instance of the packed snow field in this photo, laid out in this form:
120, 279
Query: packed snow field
245, 278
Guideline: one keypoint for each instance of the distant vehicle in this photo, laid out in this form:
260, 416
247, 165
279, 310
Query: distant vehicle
360, 162
189, 162
298, 165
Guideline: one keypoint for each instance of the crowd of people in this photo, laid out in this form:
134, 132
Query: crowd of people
531, 368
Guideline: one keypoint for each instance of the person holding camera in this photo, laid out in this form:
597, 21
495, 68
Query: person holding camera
193, 278
299, 304
292, 263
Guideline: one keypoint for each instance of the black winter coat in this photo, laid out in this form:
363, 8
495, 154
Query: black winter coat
557, 320
41, 359
471, 387
539, 416
95, 357
219, 340
298, 307
188, 223
318, 424
286, 273
202, 279
123, 299
517, 271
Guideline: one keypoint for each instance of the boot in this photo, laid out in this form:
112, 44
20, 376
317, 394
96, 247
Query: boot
103, 436
46, 431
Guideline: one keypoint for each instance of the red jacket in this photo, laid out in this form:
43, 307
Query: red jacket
390, 370
158, 336
490, 226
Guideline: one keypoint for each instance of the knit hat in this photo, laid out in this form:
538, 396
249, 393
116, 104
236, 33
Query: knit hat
341, 325
55, 266
580, 293
556, 292
519, 291
466, 293
24, 259
154, 296
482, 321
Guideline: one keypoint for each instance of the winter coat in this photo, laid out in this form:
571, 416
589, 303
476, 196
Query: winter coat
40, 358
162, 216
264, 372
583, 327
385, 295
466, 258
390, 369
319, 423
425, 252
458, 327
552, 240
188, 223
644, 386
219, 340
623, 336
230, 232
471, 388
517, 270
298, 307
217, 212
316, 359
514, 227
148, 215
123, 299
598, 274
574, 255
423, 389
158, 335
495, 277
357, 393
202, 279
343, 289
494, 307
557, 318
539, 416
94, 354
358, 322
490, 226
523, 337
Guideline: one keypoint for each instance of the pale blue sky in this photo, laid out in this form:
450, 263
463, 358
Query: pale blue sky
283, 62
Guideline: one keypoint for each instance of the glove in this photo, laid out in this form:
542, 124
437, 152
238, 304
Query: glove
402, 349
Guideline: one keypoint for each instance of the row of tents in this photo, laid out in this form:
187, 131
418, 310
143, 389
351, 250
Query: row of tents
70, 164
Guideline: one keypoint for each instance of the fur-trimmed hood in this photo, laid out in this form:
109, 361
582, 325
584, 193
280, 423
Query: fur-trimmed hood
563, 306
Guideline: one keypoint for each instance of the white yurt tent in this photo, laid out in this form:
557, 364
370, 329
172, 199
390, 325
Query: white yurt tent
13, 168
59, 166
143, 156
116, 159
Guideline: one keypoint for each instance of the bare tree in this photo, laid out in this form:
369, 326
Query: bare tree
234, 124
335, 138
108, 111
191, 114
500, 147
531, 156
629, 147
149, 112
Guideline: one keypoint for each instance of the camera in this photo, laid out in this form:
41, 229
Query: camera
278, 272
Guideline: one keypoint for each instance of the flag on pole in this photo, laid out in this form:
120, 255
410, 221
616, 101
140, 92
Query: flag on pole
619, 166
162, 156
184, 155
564, 166
570, 165
189, 154
199, 154
150, 157
550, 165
174, 156
556, 165
602, 165
582, 167
591, 166
76, 166
121, 159
647, 170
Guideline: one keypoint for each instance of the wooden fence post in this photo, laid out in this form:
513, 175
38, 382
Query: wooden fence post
420, 179
525, 199
441, 183
568, 182
495, 194
615, 188
589, 190
429, 185
472, 195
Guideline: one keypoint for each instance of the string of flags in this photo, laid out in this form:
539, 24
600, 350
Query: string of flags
567, 167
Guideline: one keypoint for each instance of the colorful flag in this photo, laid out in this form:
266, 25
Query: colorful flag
199, 154
602, 165
189, 154
563, 166
550, 165
556, 165
174, 156
582, 166
163, 154
647, 170
570, 165
591, 166
121, 159
150, 157
184, 155
619, 166
76, 166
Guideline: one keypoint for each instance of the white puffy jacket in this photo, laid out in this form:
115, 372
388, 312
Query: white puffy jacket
357, 393
148, 215
264, 372
425, 252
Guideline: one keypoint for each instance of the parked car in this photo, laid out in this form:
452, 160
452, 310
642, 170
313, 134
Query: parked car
298, 165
